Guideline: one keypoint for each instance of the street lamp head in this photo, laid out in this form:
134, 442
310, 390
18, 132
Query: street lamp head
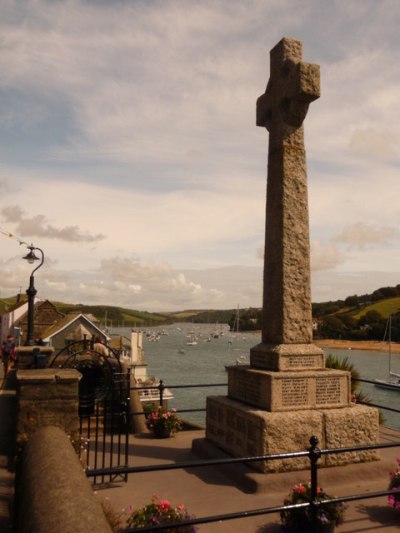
31, 257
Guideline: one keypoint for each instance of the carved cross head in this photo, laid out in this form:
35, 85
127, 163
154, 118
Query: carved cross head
292, 85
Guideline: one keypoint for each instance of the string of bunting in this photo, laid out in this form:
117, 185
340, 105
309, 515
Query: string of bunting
12, 236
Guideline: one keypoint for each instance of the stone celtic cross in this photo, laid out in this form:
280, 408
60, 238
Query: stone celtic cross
293, 84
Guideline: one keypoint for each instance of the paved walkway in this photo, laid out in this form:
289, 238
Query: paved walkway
7, 452
208, 491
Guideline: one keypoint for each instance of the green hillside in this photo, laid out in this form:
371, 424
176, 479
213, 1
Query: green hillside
112, 316
386, 307
360, 317
8, 303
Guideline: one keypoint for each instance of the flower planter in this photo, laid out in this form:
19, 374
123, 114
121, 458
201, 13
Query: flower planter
163, 423
161, 512
161, 432
298, 520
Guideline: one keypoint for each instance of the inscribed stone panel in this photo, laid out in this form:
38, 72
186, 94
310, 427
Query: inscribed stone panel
295, 392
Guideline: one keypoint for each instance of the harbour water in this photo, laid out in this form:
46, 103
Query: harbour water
176, 362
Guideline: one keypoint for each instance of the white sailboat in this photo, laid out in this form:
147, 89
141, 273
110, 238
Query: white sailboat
240, 359
393, 383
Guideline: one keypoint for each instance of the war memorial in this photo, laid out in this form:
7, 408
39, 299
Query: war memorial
286, 394
274, 404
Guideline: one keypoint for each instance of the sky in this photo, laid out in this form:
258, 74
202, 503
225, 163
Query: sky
129, 152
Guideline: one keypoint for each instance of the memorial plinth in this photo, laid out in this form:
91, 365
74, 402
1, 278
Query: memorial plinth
246, 431
284, 391
287, 357
286, 395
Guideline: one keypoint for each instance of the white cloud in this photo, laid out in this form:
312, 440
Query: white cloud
368, 143
360, 235
324, 257
38, 226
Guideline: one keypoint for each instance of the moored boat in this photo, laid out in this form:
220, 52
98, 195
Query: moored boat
387, 384
393, 383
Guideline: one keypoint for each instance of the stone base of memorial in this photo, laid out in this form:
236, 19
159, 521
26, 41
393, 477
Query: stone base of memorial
283, 391
243, 431
281, 357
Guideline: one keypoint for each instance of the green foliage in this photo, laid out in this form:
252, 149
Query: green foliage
332, 327
332, 361
249, 319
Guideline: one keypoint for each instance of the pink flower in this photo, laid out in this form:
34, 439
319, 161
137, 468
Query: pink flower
164, 505
300, 488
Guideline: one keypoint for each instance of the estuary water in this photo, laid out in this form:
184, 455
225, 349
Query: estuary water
176, 362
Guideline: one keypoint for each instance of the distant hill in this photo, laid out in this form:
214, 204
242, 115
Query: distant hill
112, 316
108, 315
356, 317
360, 317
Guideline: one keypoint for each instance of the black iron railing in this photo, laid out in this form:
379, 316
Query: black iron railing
104, 430
161, 387
313, 453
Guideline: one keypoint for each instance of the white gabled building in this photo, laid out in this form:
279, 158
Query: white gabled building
9, 319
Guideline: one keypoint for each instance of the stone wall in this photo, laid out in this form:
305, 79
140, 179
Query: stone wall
53, 491
47, 397
26, 355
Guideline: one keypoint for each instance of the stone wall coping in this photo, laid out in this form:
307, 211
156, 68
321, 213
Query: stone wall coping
29, 349
64, 375
54, 493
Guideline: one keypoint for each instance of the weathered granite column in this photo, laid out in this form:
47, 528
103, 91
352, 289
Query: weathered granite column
286, 395
287, 322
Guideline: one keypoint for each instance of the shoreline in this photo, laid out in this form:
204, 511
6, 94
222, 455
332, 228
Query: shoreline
343, 344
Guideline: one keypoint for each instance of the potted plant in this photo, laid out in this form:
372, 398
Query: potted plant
394, 499
163, 422
299, 520
160, 512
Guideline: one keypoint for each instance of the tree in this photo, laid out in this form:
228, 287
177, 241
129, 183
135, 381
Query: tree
332, 328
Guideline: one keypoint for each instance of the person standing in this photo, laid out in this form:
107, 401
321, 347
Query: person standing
8, 354
101, 349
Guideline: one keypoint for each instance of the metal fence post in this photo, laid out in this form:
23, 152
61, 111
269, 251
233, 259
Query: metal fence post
314, 455
161, 388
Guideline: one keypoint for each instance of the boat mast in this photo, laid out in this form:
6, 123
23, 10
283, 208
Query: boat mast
390, 343
391, 373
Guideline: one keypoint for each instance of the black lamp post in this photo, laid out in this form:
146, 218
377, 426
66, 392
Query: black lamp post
31, 291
